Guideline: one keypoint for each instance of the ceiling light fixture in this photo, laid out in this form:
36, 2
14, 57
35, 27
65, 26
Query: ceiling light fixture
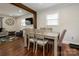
20, 11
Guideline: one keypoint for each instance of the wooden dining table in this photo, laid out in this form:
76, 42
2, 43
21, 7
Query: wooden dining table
53, 36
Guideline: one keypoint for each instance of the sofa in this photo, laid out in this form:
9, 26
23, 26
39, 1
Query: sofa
3, 32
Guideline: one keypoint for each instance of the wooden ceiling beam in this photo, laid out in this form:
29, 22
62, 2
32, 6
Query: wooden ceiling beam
20, 5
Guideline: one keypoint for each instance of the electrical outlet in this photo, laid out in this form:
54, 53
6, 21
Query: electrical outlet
72, 37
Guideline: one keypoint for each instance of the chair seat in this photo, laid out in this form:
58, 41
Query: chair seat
40, 42
32, 40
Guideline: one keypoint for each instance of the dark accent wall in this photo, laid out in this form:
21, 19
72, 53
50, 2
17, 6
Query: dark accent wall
1, 26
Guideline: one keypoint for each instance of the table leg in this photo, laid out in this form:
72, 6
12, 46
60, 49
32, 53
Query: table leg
55, 47
25, 41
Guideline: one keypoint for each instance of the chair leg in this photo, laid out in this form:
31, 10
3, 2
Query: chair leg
33, 46
52, 48
43, 50
36, 50
47, 47
28, 45
60, 51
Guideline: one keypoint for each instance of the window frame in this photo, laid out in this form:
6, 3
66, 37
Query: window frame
48, 19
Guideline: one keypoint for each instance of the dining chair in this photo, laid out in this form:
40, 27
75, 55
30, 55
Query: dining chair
46, 29
49, 29
61, 37
40, 40
31, 38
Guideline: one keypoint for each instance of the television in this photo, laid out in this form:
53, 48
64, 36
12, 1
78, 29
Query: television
29, 21
0, 29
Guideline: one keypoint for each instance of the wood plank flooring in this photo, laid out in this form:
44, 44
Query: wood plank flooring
16, 48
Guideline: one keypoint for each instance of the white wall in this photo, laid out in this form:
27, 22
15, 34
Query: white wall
68, 19
17, 25
19, 19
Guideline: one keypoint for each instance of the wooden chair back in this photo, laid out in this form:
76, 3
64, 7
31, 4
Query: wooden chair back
46, 29
61, 37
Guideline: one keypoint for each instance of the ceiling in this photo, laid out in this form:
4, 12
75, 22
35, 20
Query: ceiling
10, 10
39, 6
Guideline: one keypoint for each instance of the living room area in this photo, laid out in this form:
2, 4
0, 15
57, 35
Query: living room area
12, 21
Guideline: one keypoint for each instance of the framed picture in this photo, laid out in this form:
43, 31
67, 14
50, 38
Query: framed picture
9, 21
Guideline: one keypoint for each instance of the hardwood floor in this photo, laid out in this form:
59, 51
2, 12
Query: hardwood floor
67, 51
16, 48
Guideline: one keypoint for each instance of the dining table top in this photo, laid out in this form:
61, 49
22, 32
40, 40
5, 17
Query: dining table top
50, 34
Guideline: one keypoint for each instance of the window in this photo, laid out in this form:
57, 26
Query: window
23, 23
52, 19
